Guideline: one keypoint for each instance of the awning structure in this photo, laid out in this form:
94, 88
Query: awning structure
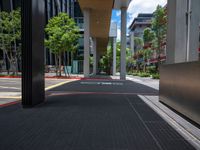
97, 18
100, 16
118, 4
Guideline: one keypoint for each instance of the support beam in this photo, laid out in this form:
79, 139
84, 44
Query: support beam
123, 43
33, 20
86, 68
114, 55
94, 56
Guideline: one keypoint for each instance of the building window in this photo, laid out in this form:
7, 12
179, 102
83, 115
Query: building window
77, 10
16, 4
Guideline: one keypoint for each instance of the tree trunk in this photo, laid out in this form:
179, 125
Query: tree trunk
11, 60
72, 57
68, 58
8, 62
16, 66
56, 63
60, 63
144, 67
16, 60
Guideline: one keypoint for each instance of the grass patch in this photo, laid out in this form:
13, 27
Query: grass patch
147, 74
144, 74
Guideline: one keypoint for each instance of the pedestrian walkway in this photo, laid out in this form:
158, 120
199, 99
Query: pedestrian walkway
90, 115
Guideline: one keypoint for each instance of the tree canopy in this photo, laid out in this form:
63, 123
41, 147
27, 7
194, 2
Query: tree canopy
149, 35
10, 28
159, 25
62, 34
10, 33
138, 42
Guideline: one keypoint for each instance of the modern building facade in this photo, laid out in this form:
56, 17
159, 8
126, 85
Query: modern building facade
137, 27
52, 8
139, 24
8, 5
72, 8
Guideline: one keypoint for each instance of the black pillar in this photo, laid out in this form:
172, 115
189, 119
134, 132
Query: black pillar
33, 20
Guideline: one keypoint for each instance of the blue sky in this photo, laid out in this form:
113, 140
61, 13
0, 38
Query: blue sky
135, 7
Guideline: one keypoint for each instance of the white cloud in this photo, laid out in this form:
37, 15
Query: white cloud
142, 6
118, 34
118, 13
136, 7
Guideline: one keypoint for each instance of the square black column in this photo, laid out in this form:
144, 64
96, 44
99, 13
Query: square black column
33, 21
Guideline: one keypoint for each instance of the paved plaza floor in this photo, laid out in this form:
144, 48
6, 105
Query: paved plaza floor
90, 115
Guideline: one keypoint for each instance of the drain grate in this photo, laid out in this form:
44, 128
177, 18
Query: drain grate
102, 83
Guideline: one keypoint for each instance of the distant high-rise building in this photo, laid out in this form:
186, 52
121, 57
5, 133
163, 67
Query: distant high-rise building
137, 27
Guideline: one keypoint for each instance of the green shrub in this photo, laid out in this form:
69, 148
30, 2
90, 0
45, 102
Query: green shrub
144, 74
155, 76
135, 74
129, 73
151, 69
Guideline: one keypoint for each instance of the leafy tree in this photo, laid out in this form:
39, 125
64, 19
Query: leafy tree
159, 26
147, 53
139, 43
10, 33
62, 35
118, 55
106, 61
148, 36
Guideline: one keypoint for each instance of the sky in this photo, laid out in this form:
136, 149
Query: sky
135, 7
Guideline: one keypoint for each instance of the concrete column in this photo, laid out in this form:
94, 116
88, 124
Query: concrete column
86, 68
94, 56
193, 54
132, 43
98, 57
123, 43
68, 7
176, 32
183, 31
114, 55
11, 4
